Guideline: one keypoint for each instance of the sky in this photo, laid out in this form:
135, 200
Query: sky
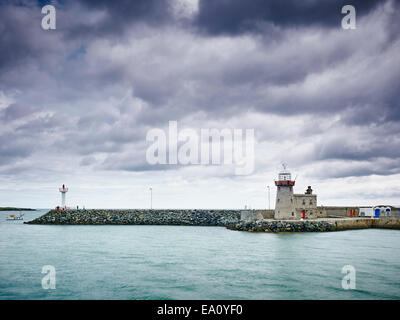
77, 102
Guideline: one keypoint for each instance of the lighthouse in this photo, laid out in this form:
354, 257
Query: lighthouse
63, 191
285, 207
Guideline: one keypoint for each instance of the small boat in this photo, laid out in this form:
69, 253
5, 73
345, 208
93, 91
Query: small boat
13, 217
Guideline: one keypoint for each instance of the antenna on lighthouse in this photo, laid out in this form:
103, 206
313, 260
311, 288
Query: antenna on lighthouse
63, 191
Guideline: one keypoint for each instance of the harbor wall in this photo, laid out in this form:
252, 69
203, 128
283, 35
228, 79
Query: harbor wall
267, 214
364, 223
336, 212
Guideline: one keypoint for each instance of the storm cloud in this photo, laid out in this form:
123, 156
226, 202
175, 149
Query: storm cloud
236, 16
321, 98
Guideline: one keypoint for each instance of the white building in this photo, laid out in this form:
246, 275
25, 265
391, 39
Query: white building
366, 212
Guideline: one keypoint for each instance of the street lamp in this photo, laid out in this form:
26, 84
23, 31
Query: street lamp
151, 198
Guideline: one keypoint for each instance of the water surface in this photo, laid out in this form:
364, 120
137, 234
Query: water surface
174, 262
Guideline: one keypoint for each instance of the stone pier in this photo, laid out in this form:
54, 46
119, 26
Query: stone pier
253, 221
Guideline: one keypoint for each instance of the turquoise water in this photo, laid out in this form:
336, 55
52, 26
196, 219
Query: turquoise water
173, 262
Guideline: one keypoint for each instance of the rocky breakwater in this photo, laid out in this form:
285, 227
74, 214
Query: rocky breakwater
317, 225
139, 217
283, 226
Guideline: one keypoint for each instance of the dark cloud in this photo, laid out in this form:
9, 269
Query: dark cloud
237, 16
365, 148
126, 11
380, 166
115, 17
23, 41
114, 69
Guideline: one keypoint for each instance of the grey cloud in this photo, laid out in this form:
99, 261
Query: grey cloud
135, 165
23, 41
39, 125
365, 149
13, 148
148, 10
132, 160
72, 77
236, 16
343, 169
267, 78
15, 111
87, 161
94, 120
117, 16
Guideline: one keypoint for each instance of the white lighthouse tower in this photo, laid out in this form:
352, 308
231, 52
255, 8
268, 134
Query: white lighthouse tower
63, 191
285, 204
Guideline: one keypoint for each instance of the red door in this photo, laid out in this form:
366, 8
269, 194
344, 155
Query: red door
304, 214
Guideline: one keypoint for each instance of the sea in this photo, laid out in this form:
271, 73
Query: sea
187, 262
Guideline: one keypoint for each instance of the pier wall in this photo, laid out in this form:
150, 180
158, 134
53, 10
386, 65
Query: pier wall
336, 212
267, 214
364, 223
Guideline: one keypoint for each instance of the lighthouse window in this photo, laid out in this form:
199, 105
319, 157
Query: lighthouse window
304, 201
292, 214
310, 201
278, 199
291, 200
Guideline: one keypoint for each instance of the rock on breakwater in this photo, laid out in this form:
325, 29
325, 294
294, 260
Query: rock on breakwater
317, 225
283, 226
139, 217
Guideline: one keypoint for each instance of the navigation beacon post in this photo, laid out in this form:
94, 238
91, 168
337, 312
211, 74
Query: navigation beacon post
63, 191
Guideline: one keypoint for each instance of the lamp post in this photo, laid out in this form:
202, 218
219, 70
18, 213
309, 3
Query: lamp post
269, 198
151, 198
